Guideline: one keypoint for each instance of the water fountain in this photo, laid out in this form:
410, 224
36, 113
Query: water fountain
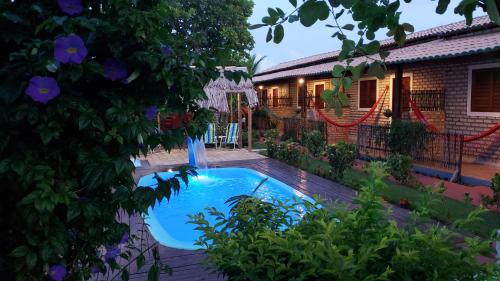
197, 154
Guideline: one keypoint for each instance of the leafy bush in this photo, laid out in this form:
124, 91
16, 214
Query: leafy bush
288, 152
263, 241
400, 167
341, 157
495, 186
407, 137
271, 145
81, 84
314, 142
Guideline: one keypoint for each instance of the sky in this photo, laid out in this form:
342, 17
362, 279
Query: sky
300, 41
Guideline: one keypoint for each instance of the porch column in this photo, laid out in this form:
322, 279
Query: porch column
249, 128
240, 129
396, 92
302, 96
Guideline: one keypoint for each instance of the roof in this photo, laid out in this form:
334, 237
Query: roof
436, 43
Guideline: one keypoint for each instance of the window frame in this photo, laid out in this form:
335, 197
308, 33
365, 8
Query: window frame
272, 96
469, 89
359, 92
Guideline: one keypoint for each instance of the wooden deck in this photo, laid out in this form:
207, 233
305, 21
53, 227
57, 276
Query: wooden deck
189, 265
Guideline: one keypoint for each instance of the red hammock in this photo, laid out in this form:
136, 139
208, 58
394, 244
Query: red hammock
357, 122
420, 116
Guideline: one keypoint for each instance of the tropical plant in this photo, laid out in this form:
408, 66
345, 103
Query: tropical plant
399, 167
271, 145
314, 142
341, 157
81, 84
266, 241
253, 64
369, 17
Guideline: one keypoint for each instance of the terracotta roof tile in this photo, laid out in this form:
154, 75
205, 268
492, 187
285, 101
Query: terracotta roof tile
478, 22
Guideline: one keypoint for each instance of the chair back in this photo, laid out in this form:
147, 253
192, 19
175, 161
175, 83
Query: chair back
209, 136
232, 133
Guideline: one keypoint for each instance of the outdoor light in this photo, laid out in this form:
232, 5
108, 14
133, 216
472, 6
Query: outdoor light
261, 87
170, 170
301, 81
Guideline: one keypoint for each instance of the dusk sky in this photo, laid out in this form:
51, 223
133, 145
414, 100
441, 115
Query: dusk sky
300, 41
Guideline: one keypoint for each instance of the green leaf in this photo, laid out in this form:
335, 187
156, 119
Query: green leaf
293, 2
347, 83
279, 32
256, 26
338, 70
338, 107
376, 69
348, 27
492, 10
312, 11
344, 100
31, 259
140, 261
273, 13
125, 275
153, 274
269, 36
357, 71
442, 6
372, 48
408, 27
20, 251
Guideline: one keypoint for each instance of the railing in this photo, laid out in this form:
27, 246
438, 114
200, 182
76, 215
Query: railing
294, 128
263, 102
276, 102
426, 100
312, 102
440, 149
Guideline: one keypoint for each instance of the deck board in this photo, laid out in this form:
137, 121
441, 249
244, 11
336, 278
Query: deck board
191, 265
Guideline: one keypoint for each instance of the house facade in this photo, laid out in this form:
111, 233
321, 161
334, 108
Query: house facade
450, 72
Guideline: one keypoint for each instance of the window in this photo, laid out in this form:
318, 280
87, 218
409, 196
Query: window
484, 90
367, 93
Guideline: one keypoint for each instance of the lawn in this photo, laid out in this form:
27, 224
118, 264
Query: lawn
447, 210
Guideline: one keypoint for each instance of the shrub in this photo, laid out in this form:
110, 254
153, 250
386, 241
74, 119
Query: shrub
407, 137
495, 186
400, 167
288, 152
341, 157
271, 145
266, 241
314, 142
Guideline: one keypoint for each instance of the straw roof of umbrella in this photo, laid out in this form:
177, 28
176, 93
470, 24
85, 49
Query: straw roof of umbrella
217, 90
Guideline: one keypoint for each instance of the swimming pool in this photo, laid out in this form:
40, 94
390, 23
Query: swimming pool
167, 221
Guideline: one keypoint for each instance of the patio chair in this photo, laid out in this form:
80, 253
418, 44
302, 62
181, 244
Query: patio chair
210, 137
231, 136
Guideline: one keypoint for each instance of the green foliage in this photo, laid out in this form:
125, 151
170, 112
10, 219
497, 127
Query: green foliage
271, 144
263, 241
399, 167
314, 142
341, 157
64, 165
495, 186
216, 27
288, 152
407, 137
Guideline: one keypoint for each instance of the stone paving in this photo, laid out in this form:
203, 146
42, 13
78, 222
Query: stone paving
180, 156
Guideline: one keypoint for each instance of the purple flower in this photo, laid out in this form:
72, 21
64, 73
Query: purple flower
115, 70
70, 49
167, 50
42, 89
151, 113
111, 253
71, 7
124, 239
57, 272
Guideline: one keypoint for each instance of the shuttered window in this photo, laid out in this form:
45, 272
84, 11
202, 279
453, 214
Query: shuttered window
485, 90
367, 93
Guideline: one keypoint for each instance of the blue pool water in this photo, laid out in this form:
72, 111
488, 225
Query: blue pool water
167, 221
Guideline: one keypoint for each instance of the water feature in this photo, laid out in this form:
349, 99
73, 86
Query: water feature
197, 153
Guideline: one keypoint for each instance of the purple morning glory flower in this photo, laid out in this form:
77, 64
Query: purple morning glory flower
70, 49
71, 7
115, 70
57, 272
124, 239
151, 113
111, 253
167, 50
42, 89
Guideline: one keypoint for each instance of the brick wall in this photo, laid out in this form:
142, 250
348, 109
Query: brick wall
449, 75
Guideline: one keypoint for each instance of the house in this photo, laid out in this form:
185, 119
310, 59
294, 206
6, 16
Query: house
451, 72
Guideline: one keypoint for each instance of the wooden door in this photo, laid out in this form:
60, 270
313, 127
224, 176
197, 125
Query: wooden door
318, 88
275, 97
405, 92
264, 97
